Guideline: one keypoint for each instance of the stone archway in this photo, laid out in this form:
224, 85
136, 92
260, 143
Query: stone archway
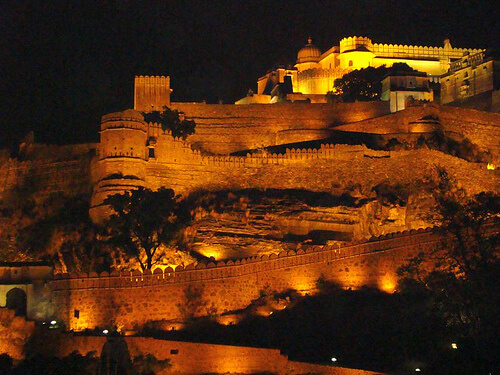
16, 300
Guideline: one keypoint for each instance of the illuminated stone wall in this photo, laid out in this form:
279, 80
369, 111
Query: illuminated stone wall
226, 128
324, 169
179, 165
50, 169
198, 358
480, 128
134, 299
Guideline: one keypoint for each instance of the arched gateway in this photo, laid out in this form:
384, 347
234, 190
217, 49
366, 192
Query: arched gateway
16, 300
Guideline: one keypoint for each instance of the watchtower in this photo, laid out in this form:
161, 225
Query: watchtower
121, 162
151, 93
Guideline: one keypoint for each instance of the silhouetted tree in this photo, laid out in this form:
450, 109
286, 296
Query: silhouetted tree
144, 220
173, 121
464, 284
364, 84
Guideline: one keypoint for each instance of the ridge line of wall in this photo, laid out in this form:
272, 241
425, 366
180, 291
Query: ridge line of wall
252, 265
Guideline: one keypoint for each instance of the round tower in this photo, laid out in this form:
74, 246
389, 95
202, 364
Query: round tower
121, 163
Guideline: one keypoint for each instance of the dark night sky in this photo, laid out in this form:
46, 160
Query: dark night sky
63, 64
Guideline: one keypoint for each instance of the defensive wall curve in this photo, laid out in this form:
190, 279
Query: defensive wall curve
226, 128
134, 299
177, 164
201, 358
479, 127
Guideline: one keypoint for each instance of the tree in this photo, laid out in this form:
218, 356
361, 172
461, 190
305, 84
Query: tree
464, 283
364, 84
173, 121
144, 220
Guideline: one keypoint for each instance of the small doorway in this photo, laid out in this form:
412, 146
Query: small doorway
16, 300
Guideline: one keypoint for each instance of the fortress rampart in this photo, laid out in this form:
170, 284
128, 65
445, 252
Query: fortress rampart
124, 161
133, 299
311, 169
481, 128
227, 128
198, 358
47, 176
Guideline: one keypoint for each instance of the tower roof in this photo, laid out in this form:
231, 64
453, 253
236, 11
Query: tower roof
308, 53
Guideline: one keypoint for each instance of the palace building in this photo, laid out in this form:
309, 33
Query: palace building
315, 72
473, 81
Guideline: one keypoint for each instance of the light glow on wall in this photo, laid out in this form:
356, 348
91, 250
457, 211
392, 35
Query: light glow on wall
388, 284
211, 251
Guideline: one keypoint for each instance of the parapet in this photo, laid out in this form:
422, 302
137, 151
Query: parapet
129, 118
424, 238
354, 42
421, 52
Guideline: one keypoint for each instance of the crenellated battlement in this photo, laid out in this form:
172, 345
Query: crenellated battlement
354, 42
395, 51
213, 270
122, 118
151, 93
123, 125
291, 155
132, 299
420, 52
119, 154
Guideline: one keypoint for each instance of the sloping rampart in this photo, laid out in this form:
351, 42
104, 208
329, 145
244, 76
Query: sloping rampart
479, 127
133, 299
226, 128
45, 177
201, 358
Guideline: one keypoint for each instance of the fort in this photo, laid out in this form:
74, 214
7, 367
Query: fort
123, 160
232, 285
258, 146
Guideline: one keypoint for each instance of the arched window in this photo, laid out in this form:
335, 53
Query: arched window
16, 300
350, 63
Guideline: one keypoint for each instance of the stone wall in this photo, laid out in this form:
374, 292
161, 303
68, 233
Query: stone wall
481, 128
50, 169
197, 358
328, 168
133, 299
325, 169
226, 128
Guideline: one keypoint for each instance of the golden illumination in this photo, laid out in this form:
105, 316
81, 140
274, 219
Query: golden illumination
491, 166
228, 320
163, 267
210, 251
388, 284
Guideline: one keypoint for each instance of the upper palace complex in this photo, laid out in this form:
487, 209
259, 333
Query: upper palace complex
315, 72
